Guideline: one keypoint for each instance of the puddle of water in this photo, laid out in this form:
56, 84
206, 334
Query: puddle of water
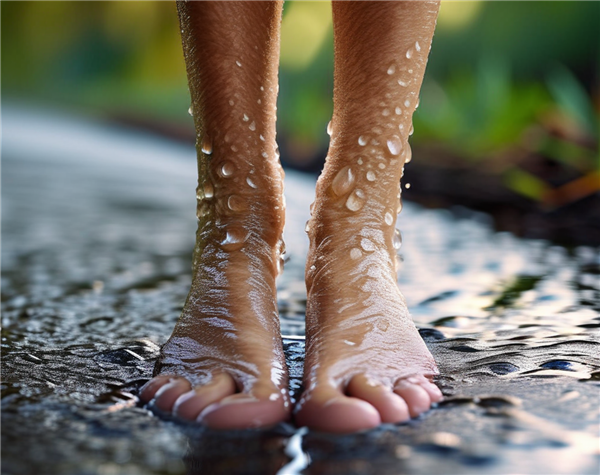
98, 229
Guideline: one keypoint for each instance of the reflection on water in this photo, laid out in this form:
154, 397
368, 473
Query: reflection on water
98, 229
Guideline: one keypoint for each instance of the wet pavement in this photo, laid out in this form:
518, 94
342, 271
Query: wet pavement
98, 228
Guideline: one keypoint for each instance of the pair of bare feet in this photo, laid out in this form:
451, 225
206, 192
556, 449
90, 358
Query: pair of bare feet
365, 361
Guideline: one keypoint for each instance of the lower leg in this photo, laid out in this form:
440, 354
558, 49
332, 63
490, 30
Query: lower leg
366, 362
224, 364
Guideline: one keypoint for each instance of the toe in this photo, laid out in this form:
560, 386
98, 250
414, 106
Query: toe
434, 392
244, 411
166, 396
327, 409
190, 404
391, 407
414, 395
149, 389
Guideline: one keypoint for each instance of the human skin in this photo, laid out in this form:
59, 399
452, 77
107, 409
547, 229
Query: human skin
365, 362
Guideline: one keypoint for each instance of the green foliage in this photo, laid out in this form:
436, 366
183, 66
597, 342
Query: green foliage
477, 114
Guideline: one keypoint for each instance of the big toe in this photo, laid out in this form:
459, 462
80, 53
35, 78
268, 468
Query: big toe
330, 411
244, 411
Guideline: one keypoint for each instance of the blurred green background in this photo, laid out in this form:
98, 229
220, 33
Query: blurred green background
506, 82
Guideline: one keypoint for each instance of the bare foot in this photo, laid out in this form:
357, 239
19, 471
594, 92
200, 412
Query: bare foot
224, 364
366, 363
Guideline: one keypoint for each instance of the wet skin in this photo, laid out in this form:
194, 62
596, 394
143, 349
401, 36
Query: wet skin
365, 361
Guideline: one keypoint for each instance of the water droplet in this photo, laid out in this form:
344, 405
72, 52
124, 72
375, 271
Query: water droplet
313, 268
417, 46
399, 208
401, 127
418, 102
252, 126
227, 169
259, 101
262, 88
355, 253
371, 176
234, 239
245, 118
236, 203
397, 240
206, 145
234, 148
412, 130
350, 343
190, 111
394, 145
402, 83
343, 181
389, 219
231, 102
261, 138
359, 161
311, 208
410, 71
407, 154
409, 53
251, 184
375, 142
329, 129
238, 63
354, 202
398, 111
406, 103
382, 324
265, 155
381, 166
307, 227
362, 141
280, 264
385, 112
392, 69
209, 190
377, 130
407, 186
367, 245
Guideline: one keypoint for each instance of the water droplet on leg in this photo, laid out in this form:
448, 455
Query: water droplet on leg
355, 253
343, 181
394, 145
371, 176
236, 203
252, 126
235, 239
367, 245
397, 240
227, 169
329, 128
355, 201
206, 145
251, 183
389, 219
392, 69
362, 141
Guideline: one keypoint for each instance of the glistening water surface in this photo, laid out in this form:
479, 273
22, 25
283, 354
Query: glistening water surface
98, 229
